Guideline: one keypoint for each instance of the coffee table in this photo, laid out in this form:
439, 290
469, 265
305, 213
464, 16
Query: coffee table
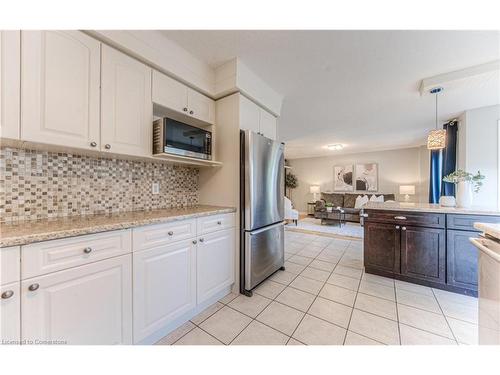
336, 216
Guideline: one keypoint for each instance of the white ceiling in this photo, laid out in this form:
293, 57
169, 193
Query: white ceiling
358, 88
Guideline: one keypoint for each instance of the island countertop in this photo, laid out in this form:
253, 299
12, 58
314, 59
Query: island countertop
490, 229
428, 207
26, 232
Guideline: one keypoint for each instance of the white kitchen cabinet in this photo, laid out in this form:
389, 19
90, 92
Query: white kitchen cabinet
126, 105
10, 264
10, 313
267, 124
60, 82
10, 81
164, 286
174, 95
201, 107
169, 93
256, 119
215, 263
90, 304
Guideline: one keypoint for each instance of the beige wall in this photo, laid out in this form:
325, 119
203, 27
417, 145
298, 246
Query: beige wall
408, 166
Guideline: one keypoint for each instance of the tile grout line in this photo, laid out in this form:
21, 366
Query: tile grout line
397, 313
353, 307
445, 318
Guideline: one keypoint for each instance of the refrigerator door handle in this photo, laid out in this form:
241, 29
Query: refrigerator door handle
266, 228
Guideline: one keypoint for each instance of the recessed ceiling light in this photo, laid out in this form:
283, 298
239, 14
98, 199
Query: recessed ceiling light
335, 147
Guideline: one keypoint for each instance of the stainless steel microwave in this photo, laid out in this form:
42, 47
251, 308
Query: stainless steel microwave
174, 137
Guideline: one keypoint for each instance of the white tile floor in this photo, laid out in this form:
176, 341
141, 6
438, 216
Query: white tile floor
325, 298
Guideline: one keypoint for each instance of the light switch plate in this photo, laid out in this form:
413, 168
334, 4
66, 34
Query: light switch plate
155, 187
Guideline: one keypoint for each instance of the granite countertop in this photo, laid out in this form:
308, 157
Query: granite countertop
26, 232
428, 207
490, 229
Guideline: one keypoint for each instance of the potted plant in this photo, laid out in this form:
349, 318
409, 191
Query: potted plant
291, 182
465, 182
329, 207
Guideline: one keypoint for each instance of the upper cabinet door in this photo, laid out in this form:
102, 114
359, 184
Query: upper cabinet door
126, 105
60, 88
267, 124
10, 55
249, 115
169, 93
201, 107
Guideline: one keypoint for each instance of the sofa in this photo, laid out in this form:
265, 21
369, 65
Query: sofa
346, 201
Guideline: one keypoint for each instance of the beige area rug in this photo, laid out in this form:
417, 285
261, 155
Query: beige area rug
348, 230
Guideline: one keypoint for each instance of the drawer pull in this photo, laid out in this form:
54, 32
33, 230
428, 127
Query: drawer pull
397, 226
170, 233
400, 217
7, 294
87, 250
404, 228
195, 242
201, 240
219, 222
33, 287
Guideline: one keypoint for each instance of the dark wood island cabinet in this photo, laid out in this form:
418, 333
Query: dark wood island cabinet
427, 248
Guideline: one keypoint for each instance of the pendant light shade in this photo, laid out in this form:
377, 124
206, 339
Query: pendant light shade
436, 140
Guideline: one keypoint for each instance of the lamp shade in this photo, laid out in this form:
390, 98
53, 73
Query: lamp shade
436, 139
407, 189
314, 189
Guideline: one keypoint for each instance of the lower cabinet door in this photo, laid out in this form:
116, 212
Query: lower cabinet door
10, 314
164, 286
461, 259
423, 253
215, 263
381, 244
90, 304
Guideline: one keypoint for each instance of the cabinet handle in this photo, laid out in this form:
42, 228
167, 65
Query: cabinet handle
201, 239
107, 146
404, 228
191, 112
364, 215
87, 250
397, 226
400, 217
170, 233
7, 294
93, 144
195, 242
185, 109
33, 287
219, 223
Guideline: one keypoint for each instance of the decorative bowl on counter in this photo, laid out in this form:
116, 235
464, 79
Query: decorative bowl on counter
447, 201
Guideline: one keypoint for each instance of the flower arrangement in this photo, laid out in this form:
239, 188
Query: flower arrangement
462, 176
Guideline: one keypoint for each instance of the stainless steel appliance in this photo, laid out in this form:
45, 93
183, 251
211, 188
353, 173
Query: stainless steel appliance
174, 137
262, 209
488, 245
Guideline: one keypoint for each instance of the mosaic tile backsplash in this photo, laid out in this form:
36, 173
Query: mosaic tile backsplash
40, 184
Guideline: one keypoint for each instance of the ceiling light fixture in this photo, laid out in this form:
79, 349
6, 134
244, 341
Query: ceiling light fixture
436, 140
335, 147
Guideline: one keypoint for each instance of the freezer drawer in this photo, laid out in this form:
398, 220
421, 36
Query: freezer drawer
264, 253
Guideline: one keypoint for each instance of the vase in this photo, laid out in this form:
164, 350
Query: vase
464, 194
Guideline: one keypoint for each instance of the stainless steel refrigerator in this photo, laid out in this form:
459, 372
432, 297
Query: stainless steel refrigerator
262, 189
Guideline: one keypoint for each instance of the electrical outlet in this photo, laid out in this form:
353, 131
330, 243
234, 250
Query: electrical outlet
155, 187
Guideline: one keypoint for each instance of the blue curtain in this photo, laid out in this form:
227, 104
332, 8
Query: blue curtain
436, 169
449, 156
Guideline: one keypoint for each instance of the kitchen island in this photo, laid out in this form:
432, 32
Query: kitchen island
424, 243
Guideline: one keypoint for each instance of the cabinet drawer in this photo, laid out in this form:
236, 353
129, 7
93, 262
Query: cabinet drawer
162, 234
466, 222
50, 256
10, 264
424, 219
215, 223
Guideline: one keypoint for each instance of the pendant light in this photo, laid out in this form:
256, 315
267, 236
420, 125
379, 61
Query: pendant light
436, 140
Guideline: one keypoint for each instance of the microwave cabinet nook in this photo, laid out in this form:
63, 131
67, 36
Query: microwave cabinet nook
427, 248
127, 286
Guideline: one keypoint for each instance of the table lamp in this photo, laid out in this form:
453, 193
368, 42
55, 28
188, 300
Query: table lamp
407, 190
314, 189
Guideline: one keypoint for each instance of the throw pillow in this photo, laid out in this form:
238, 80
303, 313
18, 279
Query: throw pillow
360, 201
374, 198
